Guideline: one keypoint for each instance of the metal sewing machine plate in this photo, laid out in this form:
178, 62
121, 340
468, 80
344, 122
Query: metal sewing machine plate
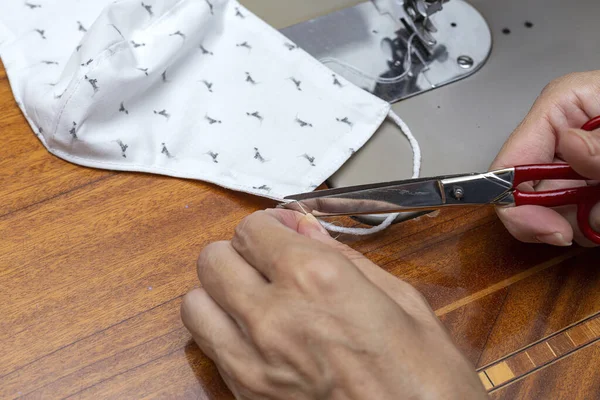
372, 39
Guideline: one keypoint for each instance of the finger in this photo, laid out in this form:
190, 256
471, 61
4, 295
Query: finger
220, 338
566, 103
400, 291
532, 142
269, 242
230, 383
212, 329
581, 149
534, 224
570, 214
549, 185
287, 218
234, 284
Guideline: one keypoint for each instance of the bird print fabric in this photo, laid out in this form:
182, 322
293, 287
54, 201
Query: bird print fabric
197, 89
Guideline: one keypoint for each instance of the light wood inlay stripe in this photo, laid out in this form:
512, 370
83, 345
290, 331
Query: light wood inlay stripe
541, 354
508, 282
500, 373
550, 347
486, 381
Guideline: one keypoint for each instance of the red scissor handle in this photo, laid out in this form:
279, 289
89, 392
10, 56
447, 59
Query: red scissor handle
592, 125
585, 198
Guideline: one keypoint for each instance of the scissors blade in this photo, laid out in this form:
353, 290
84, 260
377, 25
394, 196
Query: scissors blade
408, 196
421, 194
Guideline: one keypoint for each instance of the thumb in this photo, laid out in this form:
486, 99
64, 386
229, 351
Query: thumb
399, 291
310, 227
581, 149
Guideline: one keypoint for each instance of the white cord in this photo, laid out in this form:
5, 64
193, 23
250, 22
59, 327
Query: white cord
392, 217
414, 143
407, 66
360, 231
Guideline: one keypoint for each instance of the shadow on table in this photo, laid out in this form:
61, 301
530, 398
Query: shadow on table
206, 373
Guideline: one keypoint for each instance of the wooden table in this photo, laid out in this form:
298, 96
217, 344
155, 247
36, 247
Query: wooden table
93, 265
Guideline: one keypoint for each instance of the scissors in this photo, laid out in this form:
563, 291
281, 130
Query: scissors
498, 188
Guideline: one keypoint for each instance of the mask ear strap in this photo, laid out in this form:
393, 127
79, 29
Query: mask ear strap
392, 217
412, 140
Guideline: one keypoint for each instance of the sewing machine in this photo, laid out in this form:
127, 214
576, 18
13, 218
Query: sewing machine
370, 42
461, 96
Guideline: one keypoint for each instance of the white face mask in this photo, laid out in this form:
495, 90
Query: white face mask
198, 89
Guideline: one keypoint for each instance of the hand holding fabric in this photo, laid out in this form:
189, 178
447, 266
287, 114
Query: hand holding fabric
287, 312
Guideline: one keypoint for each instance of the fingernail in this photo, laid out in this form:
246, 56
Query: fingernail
313, 222
590, 141
503, 210
554, 239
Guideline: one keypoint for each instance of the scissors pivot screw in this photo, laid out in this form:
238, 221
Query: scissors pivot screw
458, 192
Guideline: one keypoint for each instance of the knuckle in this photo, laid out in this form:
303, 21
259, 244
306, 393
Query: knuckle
188, 304
266, 331
245, 229
568, 78
558, 83
208, 258
570, 81
248, 383
190, 300
322, 272
575, 77
251, 385
549, 88
241, 228
290, 255
247, 223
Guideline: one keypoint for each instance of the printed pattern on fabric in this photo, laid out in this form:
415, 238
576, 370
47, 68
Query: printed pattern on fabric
199, 89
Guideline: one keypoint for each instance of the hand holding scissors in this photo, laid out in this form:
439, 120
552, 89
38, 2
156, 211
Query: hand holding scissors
498, 187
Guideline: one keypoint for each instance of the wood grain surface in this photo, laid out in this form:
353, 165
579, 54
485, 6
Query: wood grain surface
93, 265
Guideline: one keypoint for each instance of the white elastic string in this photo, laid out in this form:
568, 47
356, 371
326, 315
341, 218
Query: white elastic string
392, 217
360, 231
407, 66
414, 143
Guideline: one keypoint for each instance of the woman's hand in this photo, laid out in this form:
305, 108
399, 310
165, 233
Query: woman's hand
551, 133
286, 312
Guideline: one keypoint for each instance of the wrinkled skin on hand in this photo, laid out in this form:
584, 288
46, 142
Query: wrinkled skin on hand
551, 133
287, 312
